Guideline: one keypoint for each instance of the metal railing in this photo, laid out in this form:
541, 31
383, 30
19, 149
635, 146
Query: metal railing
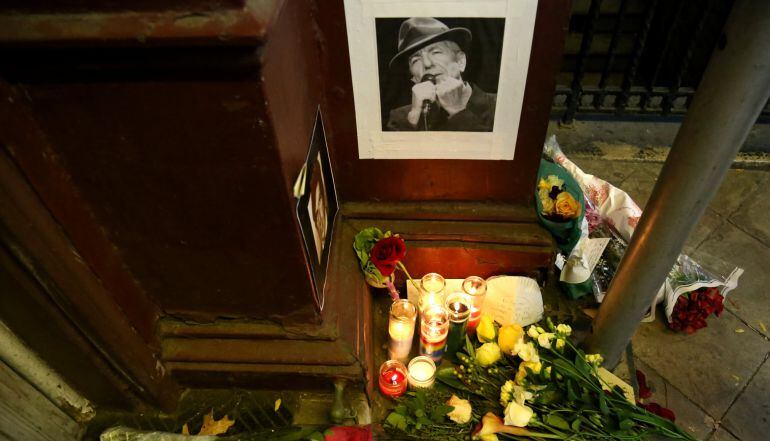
637, 59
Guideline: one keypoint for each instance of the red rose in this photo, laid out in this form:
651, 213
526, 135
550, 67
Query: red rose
386, 253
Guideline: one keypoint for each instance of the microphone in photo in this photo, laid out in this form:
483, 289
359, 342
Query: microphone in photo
426, 103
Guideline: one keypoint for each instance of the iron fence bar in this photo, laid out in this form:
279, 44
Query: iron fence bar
599, 97
573, 100
668, 99
630, 75
662, 58
730, 97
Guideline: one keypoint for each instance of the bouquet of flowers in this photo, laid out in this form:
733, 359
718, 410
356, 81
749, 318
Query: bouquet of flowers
690, 293
559, 204
379, 254
533, 385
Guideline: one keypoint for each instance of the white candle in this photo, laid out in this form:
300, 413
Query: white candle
422, 372
403, 316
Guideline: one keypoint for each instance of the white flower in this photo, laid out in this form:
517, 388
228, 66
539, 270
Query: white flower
461, 413
532, 332
521, 395
564, 329
517, 414
560, 344
527, 352
544, 340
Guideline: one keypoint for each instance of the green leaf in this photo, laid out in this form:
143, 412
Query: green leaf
419, 397
419, 413
418, 426
576, 425
469, 347
401, 409
626, 424
397, 421
316, 436
424, 421
557, 421
582, 365
439, 412
603, 404
571, 395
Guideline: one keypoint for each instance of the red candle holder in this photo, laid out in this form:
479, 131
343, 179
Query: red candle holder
393, 378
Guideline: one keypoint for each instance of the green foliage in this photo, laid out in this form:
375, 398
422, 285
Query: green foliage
423, 415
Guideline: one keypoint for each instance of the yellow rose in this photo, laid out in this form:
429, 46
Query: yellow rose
488, 354
461, 413
567, 206
485, 331
508, 337
549, 206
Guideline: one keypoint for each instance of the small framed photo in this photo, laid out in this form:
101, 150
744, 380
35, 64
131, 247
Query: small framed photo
317, 207
439, 79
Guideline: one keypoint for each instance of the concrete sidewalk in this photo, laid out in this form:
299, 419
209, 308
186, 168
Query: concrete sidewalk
718, 379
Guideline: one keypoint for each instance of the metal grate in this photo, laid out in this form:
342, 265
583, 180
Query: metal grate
637, 59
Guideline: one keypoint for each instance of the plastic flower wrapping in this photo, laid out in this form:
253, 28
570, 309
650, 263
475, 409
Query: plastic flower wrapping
540, 386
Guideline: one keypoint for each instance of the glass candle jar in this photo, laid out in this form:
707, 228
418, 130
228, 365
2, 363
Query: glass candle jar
434, 326
422, 372
476, 288
403, 315
432, 287
458, 306
393, 378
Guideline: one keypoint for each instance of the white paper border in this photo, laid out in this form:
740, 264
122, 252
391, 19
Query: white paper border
500, 144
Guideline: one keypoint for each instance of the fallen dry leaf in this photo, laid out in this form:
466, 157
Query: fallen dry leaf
740, 330
277, 405
215, 427
185, 430
762, 326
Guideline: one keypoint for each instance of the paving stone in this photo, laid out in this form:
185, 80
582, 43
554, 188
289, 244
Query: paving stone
749, 417
723, 435
706, 225
751, 216
729, 247
710, 367
689, 416
640, 183
735, 189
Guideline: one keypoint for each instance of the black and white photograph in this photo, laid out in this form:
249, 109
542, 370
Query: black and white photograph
439, 74
317, 207
439, 79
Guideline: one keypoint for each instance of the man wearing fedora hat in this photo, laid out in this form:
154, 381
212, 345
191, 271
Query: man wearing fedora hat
435, 58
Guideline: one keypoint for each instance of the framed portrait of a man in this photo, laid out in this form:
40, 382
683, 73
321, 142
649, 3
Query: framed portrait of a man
317, 207
439, 79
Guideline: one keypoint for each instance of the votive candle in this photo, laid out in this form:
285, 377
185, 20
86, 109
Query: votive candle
422, 372
476, 288
393, 378
434, 325
403, 316
458, 306
431, 290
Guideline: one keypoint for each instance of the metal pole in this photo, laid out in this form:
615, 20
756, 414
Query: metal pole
734, 88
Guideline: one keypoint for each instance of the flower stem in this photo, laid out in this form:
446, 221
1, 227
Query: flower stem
392, 289
403, 268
